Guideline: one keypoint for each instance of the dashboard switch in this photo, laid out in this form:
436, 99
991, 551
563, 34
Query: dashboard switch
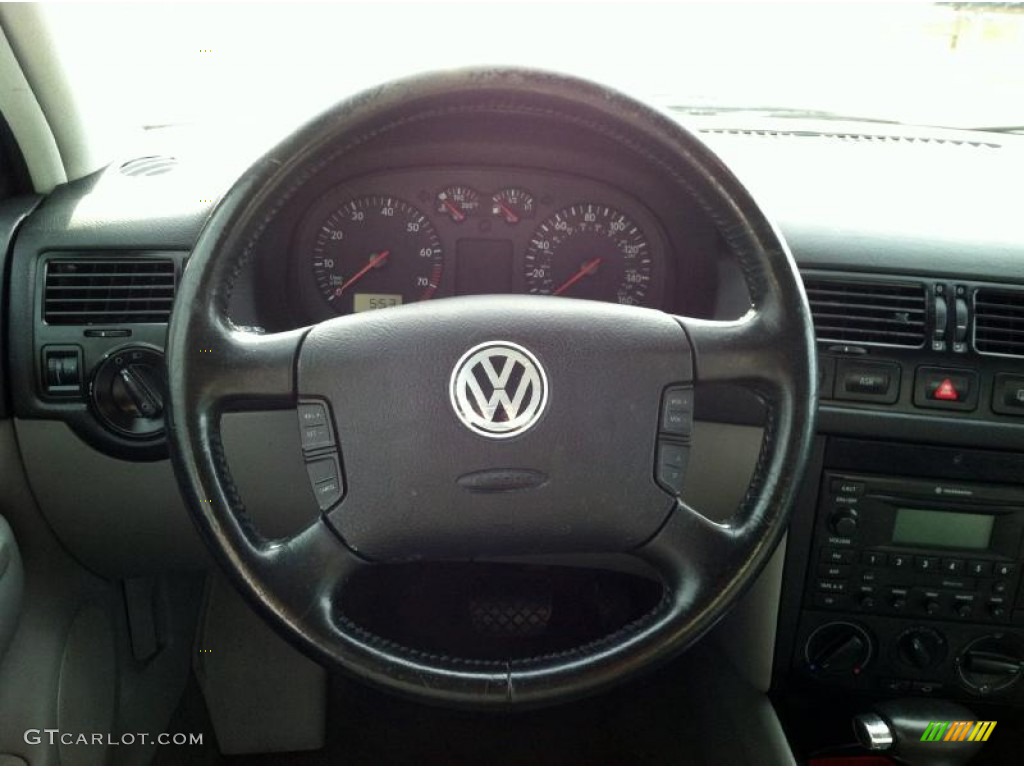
868, 382
62, 370
1008, 395
949, 388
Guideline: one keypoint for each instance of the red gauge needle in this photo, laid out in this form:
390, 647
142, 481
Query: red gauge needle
375, 261
587, 269
510, 216
456, 213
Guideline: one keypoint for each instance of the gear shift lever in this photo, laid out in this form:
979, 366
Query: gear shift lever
900, 728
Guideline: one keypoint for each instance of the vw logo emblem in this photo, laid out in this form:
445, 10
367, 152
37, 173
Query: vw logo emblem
498, 389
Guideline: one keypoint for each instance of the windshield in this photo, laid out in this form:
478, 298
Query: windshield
946, 64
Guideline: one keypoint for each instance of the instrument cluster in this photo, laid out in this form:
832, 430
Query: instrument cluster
398, 237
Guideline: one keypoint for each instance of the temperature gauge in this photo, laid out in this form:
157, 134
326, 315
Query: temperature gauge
458, 202
513, 205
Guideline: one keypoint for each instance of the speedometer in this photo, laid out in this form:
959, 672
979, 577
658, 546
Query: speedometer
374, 252
590, 251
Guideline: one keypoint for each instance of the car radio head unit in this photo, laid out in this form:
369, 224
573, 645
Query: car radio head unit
900, 546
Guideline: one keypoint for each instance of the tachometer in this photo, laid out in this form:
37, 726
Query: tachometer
590, 251
374, 252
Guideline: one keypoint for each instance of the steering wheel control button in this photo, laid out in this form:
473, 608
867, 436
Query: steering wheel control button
328, 493
947, 388
498, 389
315, 433
867, 382
677, 411
312, 415
671, 469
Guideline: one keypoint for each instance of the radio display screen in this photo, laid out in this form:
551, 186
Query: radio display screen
934, 528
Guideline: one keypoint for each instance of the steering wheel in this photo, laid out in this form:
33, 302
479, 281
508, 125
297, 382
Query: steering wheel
487, 426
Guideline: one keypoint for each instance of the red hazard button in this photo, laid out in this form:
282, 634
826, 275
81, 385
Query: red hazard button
946, 391
945, 388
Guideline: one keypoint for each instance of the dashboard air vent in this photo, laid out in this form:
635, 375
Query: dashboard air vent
999, 321
87, 291
855, 312
152, 165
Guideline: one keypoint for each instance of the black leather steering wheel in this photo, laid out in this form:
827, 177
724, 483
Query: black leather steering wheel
424, 479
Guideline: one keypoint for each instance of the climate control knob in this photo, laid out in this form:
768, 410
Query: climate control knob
921, 647
838, 648
991, 663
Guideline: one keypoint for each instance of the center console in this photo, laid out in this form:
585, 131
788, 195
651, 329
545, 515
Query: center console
908, 583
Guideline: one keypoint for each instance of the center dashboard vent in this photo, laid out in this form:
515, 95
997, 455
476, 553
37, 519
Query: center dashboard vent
999, 321
86, 291
863, 312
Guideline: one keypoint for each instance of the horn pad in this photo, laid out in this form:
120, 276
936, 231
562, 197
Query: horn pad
561, 391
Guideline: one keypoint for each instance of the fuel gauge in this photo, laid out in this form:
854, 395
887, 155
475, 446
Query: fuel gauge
512, 204
458, 202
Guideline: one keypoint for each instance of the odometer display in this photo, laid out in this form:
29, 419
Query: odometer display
376, 246
589, 251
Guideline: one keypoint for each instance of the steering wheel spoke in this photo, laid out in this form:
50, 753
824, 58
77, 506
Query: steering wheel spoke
240, 368
691, 549
308, 569
746, 351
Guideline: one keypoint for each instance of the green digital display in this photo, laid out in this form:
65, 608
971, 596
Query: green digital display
933, 528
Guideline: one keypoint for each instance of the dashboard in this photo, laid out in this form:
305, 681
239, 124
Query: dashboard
389, 239
912, 250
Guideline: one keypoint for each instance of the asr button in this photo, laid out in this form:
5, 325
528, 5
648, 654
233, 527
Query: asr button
677, 411
670, 471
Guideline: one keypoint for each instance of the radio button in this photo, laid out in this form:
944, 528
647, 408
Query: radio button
979, 568
999, 587
837, 555
997, 608
952, 566
898, 602
833, 586
848, 487
844, 522
1005, 569
873, 558
925, 564
829, 600
869, 577
932, 606
867, 602
833, 571
963, 606
899, 561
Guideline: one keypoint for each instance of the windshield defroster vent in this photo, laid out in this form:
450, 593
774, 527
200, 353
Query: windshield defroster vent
855, 312
87, 291
152, 165
999, 321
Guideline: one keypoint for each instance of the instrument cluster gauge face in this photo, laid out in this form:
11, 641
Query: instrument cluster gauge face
590, 251
512, 205
458, 203
375, 252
